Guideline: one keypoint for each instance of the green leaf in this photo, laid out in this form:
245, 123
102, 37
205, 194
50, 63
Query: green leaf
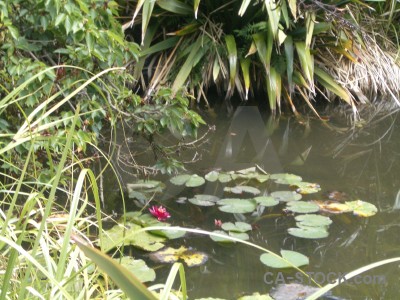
120, 275
330, 84
266, 201
362, 208
286, 196
237, 227
194, 181
306, 61
118, 236
240, 189
245, 66
285, 178
175, 6
146, 15
138, 268
294, 259
13, 31
212, 176
302, 207
239, 206
180, 179
204, 200
196, 4
313, 220
305, 188
309, 232
187, 67
243, 7
232, 56
289, 54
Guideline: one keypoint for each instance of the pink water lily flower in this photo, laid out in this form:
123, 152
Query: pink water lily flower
159, 212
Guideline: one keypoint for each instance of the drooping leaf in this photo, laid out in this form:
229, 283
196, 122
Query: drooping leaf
231, 205
286, 196
120, 275
245, 66
240, 189
302, 207
147, 11
313, 220
170, 255
362, 208
306, 61
196, 4
295, 259
309, 232
232, 57
137, 267
204, 200
236, 227
266, 201
330, 84
175, 6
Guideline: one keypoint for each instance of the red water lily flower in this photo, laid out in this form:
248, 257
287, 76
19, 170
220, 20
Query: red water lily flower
159, 212
217, 223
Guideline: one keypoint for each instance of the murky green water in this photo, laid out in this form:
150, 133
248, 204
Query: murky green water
363, 162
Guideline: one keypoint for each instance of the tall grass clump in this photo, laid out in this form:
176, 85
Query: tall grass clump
40, 213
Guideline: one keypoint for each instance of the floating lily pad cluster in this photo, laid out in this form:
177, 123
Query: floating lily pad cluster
311, 226
237, 230
128, 233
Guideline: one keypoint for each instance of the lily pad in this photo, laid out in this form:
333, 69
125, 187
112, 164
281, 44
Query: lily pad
295, 259
239, 235
224, 178
309, 232
170, 255
266, 201
242, 189
212, 176
285, 178
143, 188
313, 220
194, 181
305, 188
237, 206
286, 196
204, 200
362, 209
118, 236
188, 180
333, 207
302, 207
237, 227
138, 267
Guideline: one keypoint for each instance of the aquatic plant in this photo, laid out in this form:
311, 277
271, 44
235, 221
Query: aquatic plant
159, 212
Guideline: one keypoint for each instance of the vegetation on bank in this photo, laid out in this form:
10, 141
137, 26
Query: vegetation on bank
67, 70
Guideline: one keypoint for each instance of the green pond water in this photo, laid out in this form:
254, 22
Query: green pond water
362, 162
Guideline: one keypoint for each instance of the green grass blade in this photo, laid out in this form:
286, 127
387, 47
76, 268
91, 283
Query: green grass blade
289, 53
350, 275
187, 67
310, 21
119, 274
329, 83
245, 66
175, 6
170, 281
232, 56
243, 7
196, 7
146, 15
260, 40
306, 61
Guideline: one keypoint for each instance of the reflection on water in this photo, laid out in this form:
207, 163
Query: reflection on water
362, 162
